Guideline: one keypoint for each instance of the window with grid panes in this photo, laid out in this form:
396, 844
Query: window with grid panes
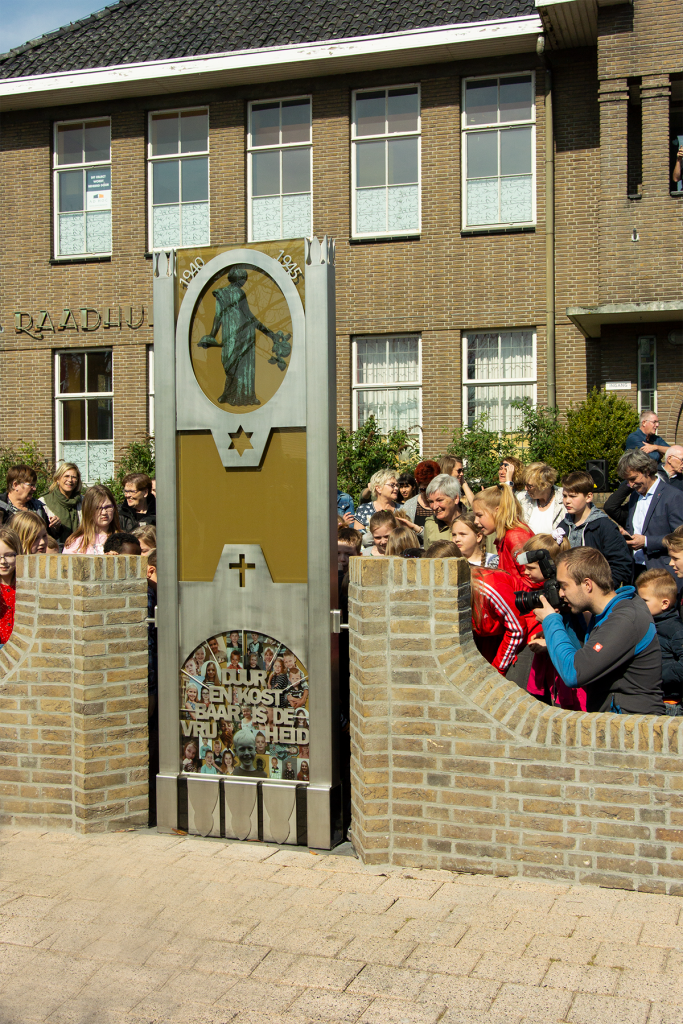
499, 368
498, 121
178, 151
279, 169
647, 373
386, 161
82, 188
387, 383
84, 412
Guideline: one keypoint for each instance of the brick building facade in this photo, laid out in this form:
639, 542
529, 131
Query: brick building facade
452, 281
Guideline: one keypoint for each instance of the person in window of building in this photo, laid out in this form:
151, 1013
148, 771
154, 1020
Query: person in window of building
122, 544
384, 493
511, 472
542, 506
418, 508
31, 530
498, 512
587, 526
677, 171
63, 502
671, 471
99, 519
654, 510
620, 662
19, 496
444, 495
646, 437
139, 506
453, 465
10, 547
407, 487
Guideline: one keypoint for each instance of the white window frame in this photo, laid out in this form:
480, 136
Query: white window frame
60, 398
496, 126
497, 381
653, 339
355, 139
150, 390
151, 160
251, 149
356, 388
56, 168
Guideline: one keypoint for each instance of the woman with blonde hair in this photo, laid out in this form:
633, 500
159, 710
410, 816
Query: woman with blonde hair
100, 519
498, 512
147, 535
384, 495
63, 501
541, 501
31, 531
10, 547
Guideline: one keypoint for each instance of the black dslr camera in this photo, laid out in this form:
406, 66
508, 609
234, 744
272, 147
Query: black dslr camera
527, 600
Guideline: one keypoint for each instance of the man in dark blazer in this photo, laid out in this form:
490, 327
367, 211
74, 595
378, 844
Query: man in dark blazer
655, 509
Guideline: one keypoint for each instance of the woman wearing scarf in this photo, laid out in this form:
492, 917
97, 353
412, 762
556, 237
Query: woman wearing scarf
63, 502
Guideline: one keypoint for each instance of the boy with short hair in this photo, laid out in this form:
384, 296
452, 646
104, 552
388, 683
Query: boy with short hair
348, 544
587, 526
382, 524
658, 590
673, 543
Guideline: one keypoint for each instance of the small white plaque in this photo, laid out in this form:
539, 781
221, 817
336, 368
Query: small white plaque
618, 385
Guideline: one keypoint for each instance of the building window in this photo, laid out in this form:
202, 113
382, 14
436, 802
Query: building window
150, 390
498, 368
84, 413
279, 169
647, 373
387, 379
499, 151
82, 188
676, 130
178, 151
385, 161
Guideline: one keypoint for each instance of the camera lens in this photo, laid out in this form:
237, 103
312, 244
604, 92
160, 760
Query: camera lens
526, 601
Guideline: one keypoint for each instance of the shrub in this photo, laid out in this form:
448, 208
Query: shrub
360, 453
136, 457
482, 449
539, 435
28, 454
596, 429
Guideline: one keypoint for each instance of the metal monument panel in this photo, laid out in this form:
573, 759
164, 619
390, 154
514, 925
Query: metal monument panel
245, 436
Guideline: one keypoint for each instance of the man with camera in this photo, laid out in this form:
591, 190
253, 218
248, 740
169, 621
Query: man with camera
620, 663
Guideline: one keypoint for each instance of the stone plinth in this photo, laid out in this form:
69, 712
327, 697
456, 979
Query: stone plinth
454, 767
73, 695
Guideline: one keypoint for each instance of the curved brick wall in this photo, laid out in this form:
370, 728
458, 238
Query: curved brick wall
454, 767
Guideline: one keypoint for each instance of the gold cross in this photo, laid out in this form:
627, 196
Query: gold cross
240, 441
242, 565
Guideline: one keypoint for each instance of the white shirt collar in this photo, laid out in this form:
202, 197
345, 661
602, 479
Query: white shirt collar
643, 497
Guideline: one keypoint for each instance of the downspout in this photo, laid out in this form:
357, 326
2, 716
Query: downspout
549, 232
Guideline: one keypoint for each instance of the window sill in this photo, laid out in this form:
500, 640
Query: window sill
675, 194
384, 238
57, 261
503, 229
634, 196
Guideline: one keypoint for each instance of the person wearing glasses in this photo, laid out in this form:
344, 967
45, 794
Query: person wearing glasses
100, 518
19, 496
139, 507
646, 437
10, 547
385, 495
672, 467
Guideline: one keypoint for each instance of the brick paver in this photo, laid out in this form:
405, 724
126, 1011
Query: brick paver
140, 928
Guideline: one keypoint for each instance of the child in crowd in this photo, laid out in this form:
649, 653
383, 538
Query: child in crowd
442, 549
32, 533
401, 539
587, 526
497, 626
52, 547
100, 518
673, 543
468, 536
381, 525
658, 589
498, 512
10, 547
122, 544
348, 544
147, 536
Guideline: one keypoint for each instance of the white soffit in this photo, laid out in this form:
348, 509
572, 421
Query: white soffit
569, 22
299, 60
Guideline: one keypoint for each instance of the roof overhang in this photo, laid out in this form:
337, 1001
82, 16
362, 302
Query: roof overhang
572, 22
589, 319
277, 63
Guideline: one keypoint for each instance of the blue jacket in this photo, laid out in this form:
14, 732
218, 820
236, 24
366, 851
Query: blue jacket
599, 532
620, 662
638, 438
670, 632
663, 516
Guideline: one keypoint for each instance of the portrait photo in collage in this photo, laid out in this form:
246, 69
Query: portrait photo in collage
244, 709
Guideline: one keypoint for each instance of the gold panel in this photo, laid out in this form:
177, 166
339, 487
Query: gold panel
265, 506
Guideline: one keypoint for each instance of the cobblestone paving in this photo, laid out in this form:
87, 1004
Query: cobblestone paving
139, 928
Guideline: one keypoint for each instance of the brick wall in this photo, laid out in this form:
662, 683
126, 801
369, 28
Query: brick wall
73, 695
454, 767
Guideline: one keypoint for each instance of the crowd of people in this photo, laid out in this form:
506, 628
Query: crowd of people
579, 605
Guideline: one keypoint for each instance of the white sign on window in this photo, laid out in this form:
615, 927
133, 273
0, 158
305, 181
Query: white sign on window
98, 189
618, 385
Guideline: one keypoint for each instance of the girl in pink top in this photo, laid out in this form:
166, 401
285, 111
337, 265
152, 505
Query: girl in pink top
100, 518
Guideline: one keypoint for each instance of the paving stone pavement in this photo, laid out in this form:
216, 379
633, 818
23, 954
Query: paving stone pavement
140, 928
